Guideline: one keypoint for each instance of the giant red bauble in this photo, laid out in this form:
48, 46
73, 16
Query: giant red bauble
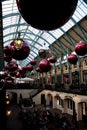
81, 48
10, 68
45, 65
12, 65
21, 73
7, 58
8, 50
28, 68
38, 69
33, 62
72, 58
23, 53
46, 15
12, 62
24, 68
52, 59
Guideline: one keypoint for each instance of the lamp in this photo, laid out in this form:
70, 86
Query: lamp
18, 43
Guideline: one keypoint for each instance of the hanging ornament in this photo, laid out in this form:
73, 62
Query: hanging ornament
11, 66
33, 62
7, 58
38, 69
21, 73
45, 65
52, 59
8, 50
28, 68
72, 59
21, 54
47, 15
18, 42
81, 48
13, 62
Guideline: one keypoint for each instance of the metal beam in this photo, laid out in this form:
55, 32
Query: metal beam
80, 28
10, 15
68, 36
85, 1
58, 42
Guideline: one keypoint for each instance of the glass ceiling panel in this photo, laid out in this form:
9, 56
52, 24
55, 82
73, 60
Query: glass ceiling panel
33, 30
30, 36
58, 33
78, 15
34, 36
33, 53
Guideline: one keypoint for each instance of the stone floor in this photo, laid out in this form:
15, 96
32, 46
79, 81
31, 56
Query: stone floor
13, 123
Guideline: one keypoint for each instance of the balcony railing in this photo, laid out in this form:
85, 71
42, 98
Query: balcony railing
75, 90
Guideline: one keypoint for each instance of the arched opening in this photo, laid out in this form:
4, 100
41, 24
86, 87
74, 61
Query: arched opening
82, 108
14, 98
50, 100
43, 100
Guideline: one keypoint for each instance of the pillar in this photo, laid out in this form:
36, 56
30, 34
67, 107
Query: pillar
3, 118
55, 77
70, 75
2, 88
80, 71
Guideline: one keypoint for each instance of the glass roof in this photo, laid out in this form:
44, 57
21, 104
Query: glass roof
14, 23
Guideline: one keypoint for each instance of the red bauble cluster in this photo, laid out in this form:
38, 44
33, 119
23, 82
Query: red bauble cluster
11, 52
45, 65
72, 59
81, 48
11, 66
44, 16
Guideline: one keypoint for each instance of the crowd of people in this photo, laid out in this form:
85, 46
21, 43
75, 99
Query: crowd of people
44, 119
